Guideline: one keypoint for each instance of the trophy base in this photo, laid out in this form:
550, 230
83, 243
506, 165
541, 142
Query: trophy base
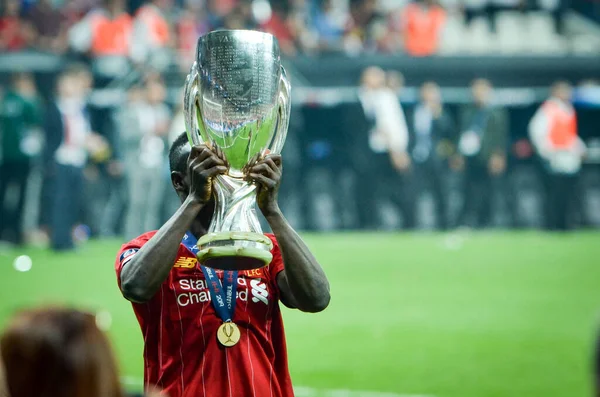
234, 250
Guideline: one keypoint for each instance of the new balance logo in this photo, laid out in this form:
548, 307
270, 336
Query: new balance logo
259, 292
186, 263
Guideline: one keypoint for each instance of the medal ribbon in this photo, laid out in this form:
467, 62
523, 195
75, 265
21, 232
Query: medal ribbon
222, 293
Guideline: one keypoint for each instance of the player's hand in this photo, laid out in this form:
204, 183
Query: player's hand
266, 173
204, 164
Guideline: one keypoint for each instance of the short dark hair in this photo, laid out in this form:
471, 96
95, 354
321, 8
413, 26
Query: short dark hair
178, 154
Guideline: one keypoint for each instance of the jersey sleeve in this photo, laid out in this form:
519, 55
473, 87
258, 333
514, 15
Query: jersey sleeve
127, 253
276, 265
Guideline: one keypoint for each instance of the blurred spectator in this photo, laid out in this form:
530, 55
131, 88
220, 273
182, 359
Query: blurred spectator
98, 164
58, 352
69, 141
494, 7
473, 9
365, 27
50, 25
482, 146
240, 17
177, 126
15, 33
105, 31
192, 24
19, 121
420, 27
221, 8
559, 13
553, 132
144, 126
394, 81
152, 35
329, 24
85, 79
379, 150
433, 129
280, 25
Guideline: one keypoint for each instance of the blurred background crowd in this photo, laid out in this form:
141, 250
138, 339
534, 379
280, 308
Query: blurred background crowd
406, 114
141, 29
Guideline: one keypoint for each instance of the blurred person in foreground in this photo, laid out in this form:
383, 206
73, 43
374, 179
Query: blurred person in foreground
20, 120
144, 129
69, 143
482, 147
176, 304
433, 130
378, 137
58, 352
553, 132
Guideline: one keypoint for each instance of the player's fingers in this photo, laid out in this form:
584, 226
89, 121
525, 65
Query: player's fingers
251, 162
263, 180
268, 170
270, 161
216, 170
199, 153
264, 169
196, 149
218, 152
209, 162
275, 158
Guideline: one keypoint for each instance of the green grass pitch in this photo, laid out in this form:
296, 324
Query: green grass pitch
508, 314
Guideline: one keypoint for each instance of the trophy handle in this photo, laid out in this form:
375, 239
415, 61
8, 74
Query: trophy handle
283, 109
193, 125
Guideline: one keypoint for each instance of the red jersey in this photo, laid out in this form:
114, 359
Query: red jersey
179, 324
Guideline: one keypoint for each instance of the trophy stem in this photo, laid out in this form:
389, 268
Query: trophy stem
235, 240
235, 206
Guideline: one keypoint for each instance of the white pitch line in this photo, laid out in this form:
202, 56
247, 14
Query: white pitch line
301, 391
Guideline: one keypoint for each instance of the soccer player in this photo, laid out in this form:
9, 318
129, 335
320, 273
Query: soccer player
180, 316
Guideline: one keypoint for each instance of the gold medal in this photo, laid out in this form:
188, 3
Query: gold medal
228, 334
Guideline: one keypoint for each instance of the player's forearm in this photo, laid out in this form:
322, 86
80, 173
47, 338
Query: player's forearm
143, 275
306, 279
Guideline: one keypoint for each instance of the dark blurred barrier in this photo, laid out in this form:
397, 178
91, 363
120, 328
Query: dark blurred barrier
588, 8
339, 70
335, 70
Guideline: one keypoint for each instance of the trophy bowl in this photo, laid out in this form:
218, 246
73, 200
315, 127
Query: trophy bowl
237, 98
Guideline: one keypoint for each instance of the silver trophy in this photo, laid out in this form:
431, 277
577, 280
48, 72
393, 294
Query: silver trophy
237, 98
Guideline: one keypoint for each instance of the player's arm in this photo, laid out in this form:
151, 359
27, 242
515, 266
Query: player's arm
303, 283
143, 275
